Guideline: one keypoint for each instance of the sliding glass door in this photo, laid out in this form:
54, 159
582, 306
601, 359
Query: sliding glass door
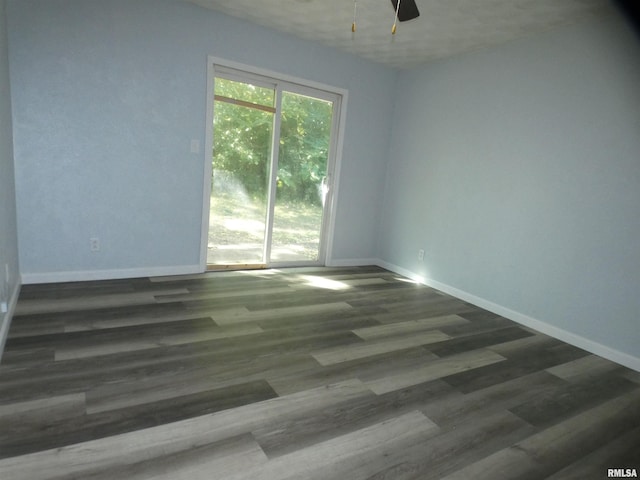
271, 171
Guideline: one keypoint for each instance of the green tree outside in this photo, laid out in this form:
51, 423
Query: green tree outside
242, 141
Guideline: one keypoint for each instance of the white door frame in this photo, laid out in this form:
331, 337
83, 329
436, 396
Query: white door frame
296, 85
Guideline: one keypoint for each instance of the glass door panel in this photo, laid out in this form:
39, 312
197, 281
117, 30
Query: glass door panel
305, 139
243, 131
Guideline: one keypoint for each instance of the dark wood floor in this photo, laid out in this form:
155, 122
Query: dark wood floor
318, 373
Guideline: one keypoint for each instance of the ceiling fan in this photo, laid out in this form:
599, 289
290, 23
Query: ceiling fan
404, 10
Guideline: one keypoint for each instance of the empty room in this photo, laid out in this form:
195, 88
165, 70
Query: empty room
319, 239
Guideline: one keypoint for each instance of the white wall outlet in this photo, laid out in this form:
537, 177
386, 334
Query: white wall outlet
421, 255
94, 244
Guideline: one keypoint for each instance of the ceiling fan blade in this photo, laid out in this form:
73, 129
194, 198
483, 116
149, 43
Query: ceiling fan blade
408, 9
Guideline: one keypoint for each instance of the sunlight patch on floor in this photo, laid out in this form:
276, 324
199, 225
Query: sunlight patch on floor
326, 283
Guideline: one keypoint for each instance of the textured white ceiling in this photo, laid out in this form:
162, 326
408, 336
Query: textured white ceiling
444, 28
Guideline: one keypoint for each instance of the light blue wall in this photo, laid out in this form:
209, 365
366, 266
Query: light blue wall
517, 169
107, 97
8, 237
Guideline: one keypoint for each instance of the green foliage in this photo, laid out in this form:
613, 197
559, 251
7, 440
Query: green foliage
242, 141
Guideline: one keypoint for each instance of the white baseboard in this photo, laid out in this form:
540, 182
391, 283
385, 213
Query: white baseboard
539, 325
6, 321
88, 275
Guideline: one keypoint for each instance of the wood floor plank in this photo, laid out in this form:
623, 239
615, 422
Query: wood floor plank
488, 327
412, 306
49, 328
175, 383
229, 356
190, 296
500, 397
233, 317
133, 333
97, 301
588, 365
267, 302
24, 358
130, 345
536, 342
148, 444
371, 348
455, 448
57, 431
347, 456
553, 406
621, 452
78, 289
127, 321
35, 411
556, 447
344, 320
630, 375
411, 326
475, 341
445, 367
339, 419
365, 369
519, 364
201, 463
94, 319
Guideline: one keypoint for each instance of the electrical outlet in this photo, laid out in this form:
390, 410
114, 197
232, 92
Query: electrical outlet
421, 255
94, 244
